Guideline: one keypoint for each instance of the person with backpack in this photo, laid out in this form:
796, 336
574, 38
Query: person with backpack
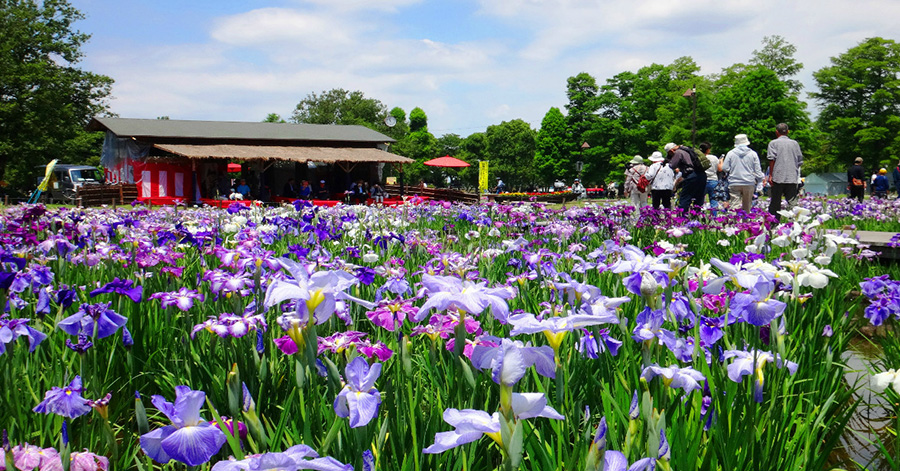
744, 173
637, 186
690, 176
856, 180
662, 181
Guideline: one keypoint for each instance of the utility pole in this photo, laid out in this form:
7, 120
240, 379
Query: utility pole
692, 93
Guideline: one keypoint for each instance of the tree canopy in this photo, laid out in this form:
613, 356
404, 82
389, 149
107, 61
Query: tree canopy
860, 97
45, 99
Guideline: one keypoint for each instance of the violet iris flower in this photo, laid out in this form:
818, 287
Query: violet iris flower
123, 287
685, 378
643, 269
615, 461
359, 400
12, 329
752, 362
294, 458
318, 292
471, 424
66, 401
757, 308
190, 439
511, 359
183, 299
555, 328
448, 292
591, 348
90, 316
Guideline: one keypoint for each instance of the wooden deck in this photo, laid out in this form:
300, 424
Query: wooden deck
878, 241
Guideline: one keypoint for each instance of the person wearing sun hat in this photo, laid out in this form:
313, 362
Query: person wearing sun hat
744, 173
632, 177
662, 181
881, 186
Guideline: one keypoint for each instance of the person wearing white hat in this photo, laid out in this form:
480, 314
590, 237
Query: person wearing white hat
662, 181
744, 173
632, 178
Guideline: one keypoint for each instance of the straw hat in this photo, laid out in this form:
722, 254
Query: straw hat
637, 160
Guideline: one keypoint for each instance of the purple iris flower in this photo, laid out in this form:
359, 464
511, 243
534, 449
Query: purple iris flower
359, 400
315, 295
448, 292
616, 461
591, 348
471, 424
183, 299
751, 363
12, 329
123, 287
731, 272
527, 323
675, 377
294, 458
66, 401
90, 316
190, 439
643, 269
511, 359
711, 330
757, 308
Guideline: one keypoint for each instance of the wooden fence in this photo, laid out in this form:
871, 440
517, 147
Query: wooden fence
97, 195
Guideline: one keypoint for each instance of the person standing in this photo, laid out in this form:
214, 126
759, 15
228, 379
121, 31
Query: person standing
881, 186
896, 175
690, 176
744, 172
662, 181
785, 158
632, 177
856, 180
712, 178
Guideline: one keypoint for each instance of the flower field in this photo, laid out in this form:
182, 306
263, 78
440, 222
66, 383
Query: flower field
439, 336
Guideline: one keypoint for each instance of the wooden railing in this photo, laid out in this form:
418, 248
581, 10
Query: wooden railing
440, 194
97, 195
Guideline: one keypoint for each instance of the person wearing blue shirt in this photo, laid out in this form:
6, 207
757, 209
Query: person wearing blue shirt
243, 189
305, 192
881, 186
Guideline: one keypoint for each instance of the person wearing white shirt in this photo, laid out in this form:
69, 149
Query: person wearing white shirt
662, 181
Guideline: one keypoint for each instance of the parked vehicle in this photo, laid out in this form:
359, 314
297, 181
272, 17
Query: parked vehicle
67, 179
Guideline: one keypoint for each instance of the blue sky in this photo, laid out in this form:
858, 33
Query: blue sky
467, 63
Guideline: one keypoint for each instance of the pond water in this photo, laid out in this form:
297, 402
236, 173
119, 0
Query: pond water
858, 449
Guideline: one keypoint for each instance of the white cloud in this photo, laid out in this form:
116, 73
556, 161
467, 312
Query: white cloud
267, 59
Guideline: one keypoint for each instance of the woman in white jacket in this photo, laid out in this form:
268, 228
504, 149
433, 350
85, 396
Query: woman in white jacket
662, 181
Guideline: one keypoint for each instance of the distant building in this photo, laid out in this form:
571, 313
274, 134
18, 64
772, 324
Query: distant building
185, 160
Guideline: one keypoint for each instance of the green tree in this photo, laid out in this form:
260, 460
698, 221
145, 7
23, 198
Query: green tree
753, 105
510, 147
777, 55
860, 98
45, 99
552, 158
338, 106
418, 120
273, 118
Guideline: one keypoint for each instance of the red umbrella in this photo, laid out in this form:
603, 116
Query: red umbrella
234, 168
446, 161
